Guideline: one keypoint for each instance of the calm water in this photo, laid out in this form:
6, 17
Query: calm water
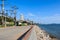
53, 29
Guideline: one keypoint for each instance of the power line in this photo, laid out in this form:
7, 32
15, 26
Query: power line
15, 10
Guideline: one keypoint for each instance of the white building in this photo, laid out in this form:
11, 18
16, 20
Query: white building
22, 17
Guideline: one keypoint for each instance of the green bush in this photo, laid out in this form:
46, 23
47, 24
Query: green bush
1, 26
23, 24
10, 24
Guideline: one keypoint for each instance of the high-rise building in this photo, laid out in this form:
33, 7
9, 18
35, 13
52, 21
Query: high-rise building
22, 17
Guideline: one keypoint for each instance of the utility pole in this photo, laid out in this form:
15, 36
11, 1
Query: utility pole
11, 12
6, 16
15, 9
2, 8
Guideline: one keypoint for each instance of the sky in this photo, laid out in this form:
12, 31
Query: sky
40, 11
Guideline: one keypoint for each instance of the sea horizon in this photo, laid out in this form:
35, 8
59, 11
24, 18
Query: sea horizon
52, 29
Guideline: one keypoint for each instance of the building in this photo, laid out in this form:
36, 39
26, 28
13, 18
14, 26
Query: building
21, 17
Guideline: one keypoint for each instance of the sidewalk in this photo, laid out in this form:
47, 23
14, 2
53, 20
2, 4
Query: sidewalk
12, 33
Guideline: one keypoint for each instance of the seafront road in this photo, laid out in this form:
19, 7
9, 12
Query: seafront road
12, 33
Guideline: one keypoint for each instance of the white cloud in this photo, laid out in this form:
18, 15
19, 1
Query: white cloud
44, 20
30, 14
50, 19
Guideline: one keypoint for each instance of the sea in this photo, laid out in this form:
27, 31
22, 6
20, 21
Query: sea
53, 29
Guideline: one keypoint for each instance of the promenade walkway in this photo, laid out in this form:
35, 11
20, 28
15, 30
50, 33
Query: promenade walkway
33, 35
12, 33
